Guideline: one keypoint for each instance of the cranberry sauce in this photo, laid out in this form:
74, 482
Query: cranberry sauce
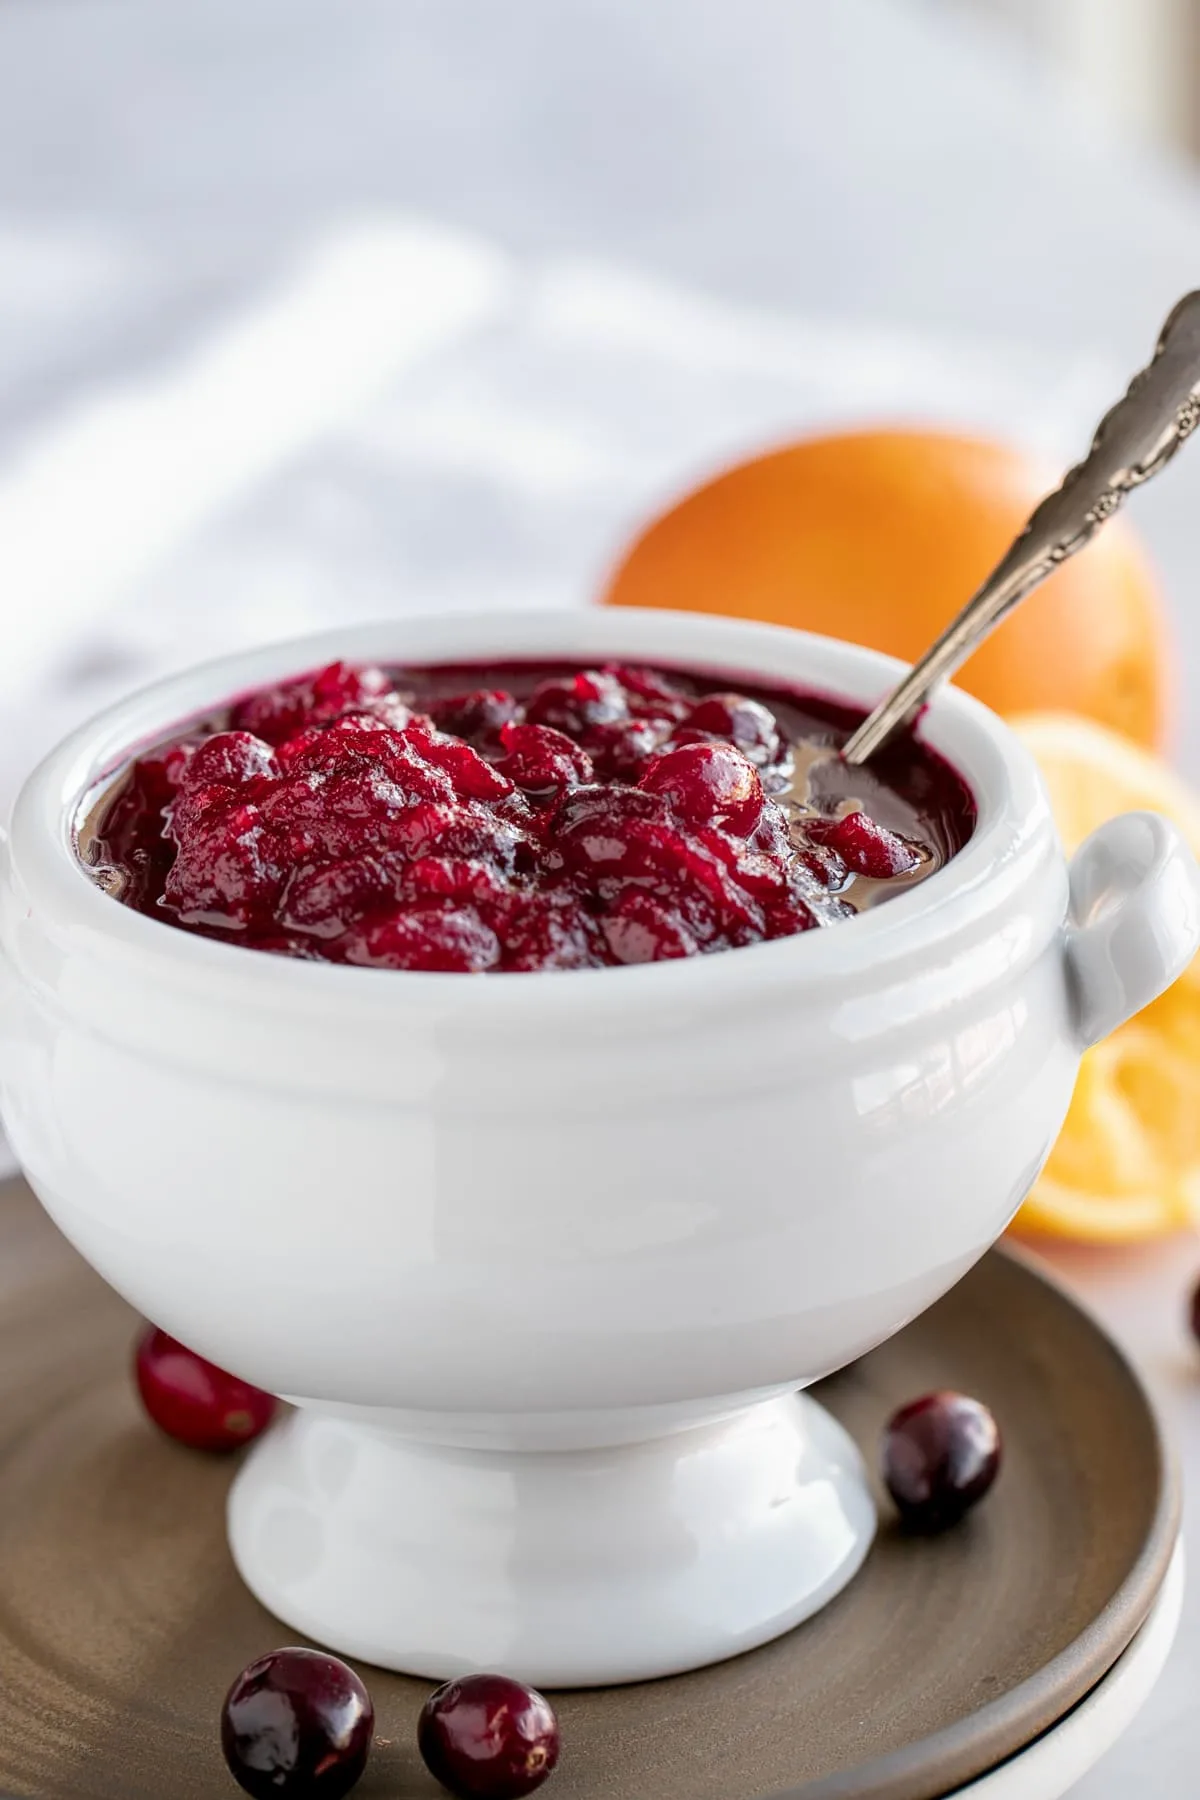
519, 816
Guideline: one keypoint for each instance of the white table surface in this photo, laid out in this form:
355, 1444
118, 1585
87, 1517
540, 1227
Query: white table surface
290, 291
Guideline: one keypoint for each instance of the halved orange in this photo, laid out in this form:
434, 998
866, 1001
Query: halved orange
1127, 1164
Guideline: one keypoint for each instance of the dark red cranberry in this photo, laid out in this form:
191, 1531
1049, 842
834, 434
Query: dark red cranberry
227, 871
486, 1737
467, 881
279, 712
341, 687
328, 897
652, 699
386, 767
551, 930
596, 829
334, 817
940, 1455
543, 761
574, 703
759, 875
698, 882
313, 746
1194, 1312
789, 916
648, 686
195, 1402
297, 1725
389, 709
193, 805
708, 784
461, 829
355, 736
455, 941
865, 847
472, 777
173, 764
747, 724
640, 929
608, 836
229, 758
621, 749
479, 716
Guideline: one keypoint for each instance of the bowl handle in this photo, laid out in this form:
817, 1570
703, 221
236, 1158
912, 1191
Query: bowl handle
1134, 920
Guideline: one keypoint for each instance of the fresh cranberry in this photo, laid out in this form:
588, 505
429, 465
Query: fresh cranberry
486, 1737
195, 1402
543, 761
1194, 1312
865, 847
940, 1455
297, 1723
746, 724
708, 784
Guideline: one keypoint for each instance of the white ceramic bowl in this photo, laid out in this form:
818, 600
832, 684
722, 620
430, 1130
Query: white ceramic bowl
543, 1258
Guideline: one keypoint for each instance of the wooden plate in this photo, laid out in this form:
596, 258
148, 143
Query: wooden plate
122, 1621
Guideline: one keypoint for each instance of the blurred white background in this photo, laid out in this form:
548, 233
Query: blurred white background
1136, 62
309, 313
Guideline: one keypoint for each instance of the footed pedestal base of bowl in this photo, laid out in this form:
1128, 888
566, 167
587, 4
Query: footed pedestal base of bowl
572, 1568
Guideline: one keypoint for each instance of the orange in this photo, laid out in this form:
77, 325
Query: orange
1127, 1162
881, 536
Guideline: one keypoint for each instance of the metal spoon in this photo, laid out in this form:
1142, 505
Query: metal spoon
1132, 442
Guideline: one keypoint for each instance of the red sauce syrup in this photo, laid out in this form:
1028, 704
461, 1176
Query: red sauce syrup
519, 816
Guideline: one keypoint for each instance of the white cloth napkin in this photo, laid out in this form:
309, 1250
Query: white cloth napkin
406, 418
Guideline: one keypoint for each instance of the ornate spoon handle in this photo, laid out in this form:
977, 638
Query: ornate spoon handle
1132, 442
